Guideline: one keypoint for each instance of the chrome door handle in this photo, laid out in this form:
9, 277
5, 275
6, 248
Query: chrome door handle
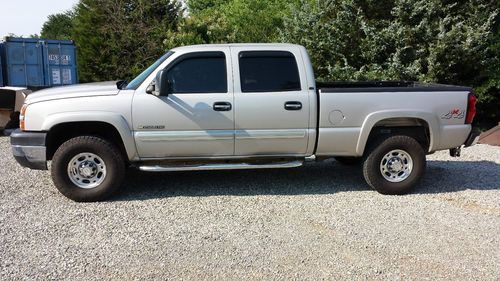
222, 106
293, 105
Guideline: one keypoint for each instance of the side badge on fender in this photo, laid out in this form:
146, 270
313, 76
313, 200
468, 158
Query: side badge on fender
152, 127
455, 113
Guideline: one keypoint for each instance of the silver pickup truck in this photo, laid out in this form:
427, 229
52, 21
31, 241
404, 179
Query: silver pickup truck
238, 106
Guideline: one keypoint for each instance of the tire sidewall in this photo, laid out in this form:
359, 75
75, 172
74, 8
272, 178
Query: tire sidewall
375, 177
71, 148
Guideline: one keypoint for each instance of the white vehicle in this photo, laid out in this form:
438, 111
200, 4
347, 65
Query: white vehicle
238, 106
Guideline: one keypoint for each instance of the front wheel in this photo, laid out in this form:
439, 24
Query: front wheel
87, 169
394, 164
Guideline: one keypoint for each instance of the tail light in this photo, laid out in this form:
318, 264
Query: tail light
21, 117
471, 108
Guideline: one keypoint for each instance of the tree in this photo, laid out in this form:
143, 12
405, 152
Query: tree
427, 40
197, 6
117, 39
58, 26
239, 20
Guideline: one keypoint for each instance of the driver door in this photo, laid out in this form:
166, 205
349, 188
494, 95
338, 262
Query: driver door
196, 119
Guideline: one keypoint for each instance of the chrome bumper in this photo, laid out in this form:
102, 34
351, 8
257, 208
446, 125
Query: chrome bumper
29, 149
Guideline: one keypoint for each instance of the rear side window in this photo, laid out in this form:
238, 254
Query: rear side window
268, 71
199, 73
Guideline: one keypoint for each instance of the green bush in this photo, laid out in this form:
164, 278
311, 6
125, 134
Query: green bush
240, 21
432, 41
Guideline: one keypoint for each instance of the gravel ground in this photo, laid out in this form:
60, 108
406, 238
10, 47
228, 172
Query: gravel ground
316, 222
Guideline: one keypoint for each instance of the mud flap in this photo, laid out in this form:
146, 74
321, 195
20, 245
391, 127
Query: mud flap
456, 151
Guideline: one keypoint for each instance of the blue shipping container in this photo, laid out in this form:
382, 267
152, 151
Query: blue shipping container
39, 62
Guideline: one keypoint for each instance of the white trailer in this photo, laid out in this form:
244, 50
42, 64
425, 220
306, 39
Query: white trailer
11, 101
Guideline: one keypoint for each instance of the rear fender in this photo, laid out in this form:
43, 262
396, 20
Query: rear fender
378, 116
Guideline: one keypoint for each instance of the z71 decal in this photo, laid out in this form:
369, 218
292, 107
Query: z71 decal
455, 113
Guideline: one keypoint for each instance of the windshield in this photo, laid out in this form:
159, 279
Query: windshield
134, 84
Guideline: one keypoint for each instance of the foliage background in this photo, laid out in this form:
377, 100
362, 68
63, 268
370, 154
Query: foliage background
442, 41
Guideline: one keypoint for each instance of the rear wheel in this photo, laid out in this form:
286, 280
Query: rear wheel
87, 169
394, 164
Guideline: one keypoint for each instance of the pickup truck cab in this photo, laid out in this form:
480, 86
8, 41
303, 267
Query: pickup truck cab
238, 106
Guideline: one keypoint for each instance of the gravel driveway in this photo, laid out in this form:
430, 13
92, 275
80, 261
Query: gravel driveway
316, 222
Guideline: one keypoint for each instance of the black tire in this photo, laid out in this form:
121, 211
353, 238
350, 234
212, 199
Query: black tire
349, 161
109, 153
380, 148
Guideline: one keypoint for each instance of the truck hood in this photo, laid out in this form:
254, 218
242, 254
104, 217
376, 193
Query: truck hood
74, 91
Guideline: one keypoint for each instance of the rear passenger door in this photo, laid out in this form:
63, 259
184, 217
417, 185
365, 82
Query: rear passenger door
271, 102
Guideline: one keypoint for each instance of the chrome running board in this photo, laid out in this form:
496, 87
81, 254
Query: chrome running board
212, 167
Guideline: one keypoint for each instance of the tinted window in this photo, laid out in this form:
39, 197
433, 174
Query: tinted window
199, 73
268, 72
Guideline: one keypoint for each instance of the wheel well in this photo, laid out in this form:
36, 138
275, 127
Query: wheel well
412, 127
60, 133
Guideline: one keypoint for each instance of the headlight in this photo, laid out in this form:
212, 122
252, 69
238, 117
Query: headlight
21, 116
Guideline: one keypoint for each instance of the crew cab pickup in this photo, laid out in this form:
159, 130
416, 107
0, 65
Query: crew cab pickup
238, 106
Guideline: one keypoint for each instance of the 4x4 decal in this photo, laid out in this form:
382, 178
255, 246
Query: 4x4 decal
456, 113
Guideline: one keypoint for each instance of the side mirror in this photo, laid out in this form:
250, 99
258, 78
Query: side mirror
160, 85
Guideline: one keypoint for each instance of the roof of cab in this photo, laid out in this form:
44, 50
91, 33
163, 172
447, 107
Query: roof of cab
264, 45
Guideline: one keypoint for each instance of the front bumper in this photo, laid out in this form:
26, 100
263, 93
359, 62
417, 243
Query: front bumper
29, 149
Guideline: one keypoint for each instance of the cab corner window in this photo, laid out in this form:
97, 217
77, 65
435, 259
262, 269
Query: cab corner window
199, 73
268, 71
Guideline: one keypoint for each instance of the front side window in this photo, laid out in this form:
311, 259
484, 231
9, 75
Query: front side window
268, 71
199, 73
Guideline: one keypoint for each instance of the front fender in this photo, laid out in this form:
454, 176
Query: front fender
114, 119
375, 117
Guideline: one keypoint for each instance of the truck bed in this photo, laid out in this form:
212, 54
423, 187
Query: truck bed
386, 86
347, 109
